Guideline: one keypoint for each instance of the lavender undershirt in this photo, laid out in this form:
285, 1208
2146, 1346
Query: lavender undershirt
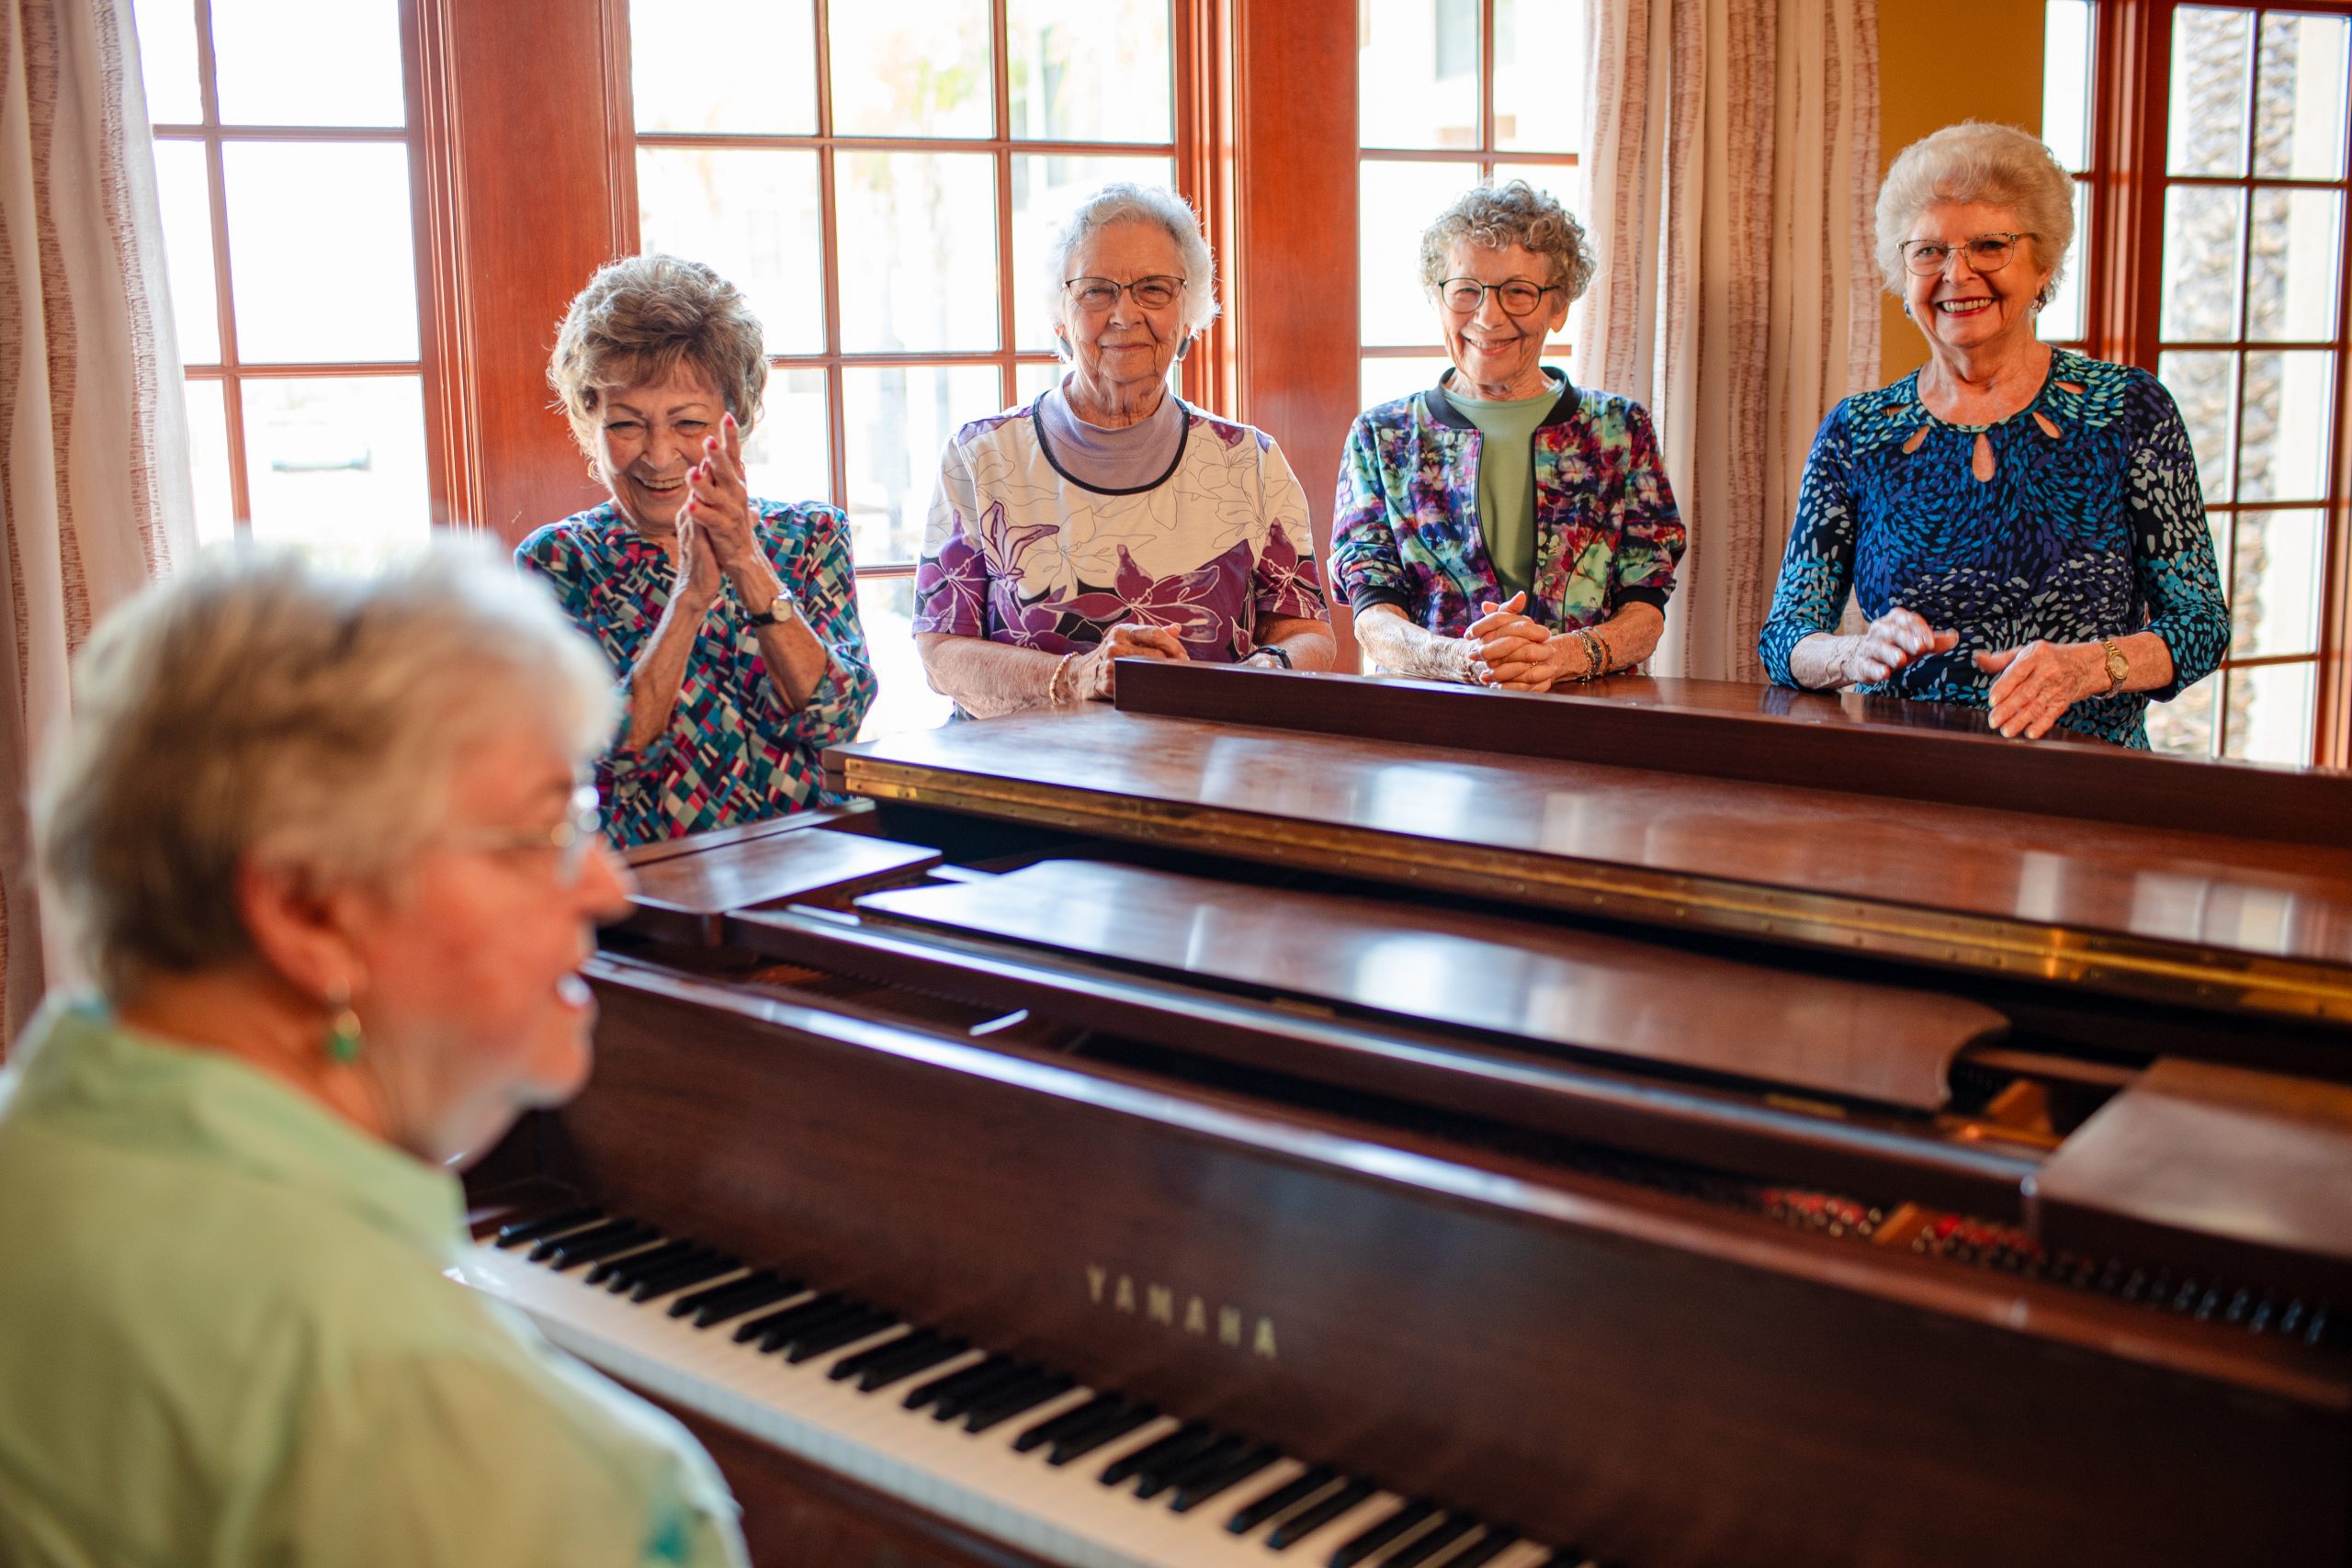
1135, 456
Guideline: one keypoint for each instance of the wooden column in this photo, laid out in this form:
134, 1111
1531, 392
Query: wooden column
525, 187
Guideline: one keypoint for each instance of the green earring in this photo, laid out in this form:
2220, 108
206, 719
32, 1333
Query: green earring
343, 1032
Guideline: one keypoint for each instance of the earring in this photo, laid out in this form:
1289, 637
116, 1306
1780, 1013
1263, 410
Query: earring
1183, 349
1907, 309
343, 1038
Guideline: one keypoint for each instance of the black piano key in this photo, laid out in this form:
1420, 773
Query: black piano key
1498, 1540
546, 1249
1079, 1444
963, 1377
636, 1271
1158, 1477
1183, 1440
958, 1402
1380, 1535
570, 1255
1317, 1514
679, 1277
1431, 1542
785, 1335
809, 1346
1192, 1494
899, 1368
733, 1299
1099, 1408
1282, 1499
522, 1231
668, 1252
849, 1367
1566, 1557
790, 1317
1006, 1404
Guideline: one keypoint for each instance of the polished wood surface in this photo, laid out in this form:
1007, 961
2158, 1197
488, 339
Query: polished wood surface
1873, 747
1406, 811
2246, 1173
681, 896
1667, 1383
1531, 983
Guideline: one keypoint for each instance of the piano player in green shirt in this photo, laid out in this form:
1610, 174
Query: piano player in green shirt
320, 844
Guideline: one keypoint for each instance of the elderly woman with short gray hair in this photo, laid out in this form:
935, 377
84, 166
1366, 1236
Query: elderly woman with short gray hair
2023, 525
322, 843
1505, 527
1109, 519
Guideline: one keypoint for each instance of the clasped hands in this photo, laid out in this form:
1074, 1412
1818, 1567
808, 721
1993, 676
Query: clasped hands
716, 544
1507, 649
2034, 684
1091, 673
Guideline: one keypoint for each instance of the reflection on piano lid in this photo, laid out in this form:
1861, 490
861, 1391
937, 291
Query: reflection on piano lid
1026, 1454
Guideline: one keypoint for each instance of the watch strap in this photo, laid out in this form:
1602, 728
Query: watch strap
2119, 668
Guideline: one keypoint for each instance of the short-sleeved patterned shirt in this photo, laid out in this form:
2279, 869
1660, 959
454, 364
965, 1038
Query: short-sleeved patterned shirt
1405, 528
2097, 530
1019, 552
734, 752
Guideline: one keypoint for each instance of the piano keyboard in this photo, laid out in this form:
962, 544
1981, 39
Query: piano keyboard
1070, 1473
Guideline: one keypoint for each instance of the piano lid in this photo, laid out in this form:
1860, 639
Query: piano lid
1538, 985
681, 894
2252, 911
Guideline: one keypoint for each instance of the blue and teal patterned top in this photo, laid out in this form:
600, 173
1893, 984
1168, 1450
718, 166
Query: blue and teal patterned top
2097, 530
733, 752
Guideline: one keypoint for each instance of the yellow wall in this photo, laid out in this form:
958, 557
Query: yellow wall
1938, 65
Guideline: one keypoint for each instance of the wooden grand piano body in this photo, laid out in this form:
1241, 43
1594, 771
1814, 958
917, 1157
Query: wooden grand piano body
1701, 1126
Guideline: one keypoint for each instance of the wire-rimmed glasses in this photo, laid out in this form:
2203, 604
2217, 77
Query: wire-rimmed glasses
570, 839
1986, 253
1099, 294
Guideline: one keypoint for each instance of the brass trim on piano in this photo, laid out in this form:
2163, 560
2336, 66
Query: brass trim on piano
2125, 965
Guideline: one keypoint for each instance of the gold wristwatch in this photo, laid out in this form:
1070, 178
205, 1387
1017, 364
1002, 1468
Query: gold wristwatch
2119, 668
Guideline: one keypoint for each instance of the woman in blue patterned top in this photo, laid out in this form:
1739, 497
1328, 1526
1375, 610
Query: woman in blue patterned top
2023, 525
733, 620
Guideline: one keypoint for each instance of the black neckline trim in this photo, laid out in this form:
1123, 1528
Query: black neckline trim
1184, 439
1440, 408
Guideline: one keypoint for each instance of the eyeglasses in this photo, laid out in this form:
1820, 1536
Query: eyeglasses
1100, 293
569, 840
1464, 295
1986, 253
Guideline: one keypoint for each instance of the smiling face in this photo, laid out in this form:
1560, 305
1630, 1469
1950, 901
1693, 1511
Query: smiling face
1499, 355
648, 436
1959, 308
471, 994
1126, 345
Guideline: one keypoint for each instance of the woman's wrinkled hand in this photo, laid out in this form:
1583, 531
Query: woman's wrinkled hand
2037, 683
1896, 639
695, 582
1500, 634
1091, 674
719, 499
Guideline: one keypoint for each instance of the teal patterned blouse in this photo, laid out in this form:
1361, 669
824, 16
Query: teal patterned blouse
2092, 525
733, 751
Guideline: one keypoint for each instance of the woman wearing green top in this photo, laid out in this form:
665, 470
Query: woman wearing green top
1505, 527
322, 845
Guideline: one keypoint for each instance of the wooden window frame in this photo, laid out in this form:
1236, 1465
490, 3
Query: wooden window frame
2132, 48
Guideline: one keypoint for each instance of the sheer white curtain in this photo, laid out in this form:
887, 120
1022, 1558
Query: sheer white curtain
95, 495
1732, 164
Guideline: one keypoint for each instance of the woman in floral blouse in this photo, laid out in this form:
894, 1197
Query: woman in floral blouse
1505, 527
733, 620
1108, 518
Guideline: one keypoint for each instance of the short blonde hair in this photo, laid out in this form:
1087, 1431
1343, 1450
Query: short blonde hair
258, 709
1977, 161
1495, 218
637, 320
1123, 201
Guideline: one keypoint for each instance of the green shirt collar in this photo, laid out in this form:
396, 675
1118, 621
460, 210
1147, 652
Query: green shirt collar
78, 1069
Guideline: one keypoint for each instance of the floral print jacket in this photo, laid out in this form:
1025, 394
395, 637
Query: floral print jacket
1405, 527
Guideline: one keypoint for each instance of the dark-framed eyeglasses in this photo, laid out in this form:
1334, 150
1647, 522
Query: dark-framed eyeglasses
567, 841
1462, 296
1986, 253
1100, 293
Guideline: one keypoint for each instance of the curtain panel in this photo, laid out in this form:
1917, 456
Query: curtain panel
94, 490
1733, 168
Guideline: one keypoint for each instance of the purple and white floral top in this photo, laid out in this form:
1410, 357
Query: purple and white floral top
1019, 552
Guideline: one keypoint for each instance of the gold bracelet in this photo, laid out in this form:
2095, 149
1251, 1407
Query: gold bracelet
1054, 682
1596, 656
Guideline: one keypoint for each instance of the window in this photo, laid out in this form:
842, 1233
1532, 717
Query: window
2069, 98
282, 160
1452, 92
2227, 277
881, 180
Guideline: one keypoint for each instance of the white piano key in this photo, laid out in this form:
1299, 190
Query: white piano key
1064, 1515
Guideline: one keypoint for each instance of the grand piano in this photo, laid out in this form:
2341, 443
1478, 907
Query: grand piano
1291, 1118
